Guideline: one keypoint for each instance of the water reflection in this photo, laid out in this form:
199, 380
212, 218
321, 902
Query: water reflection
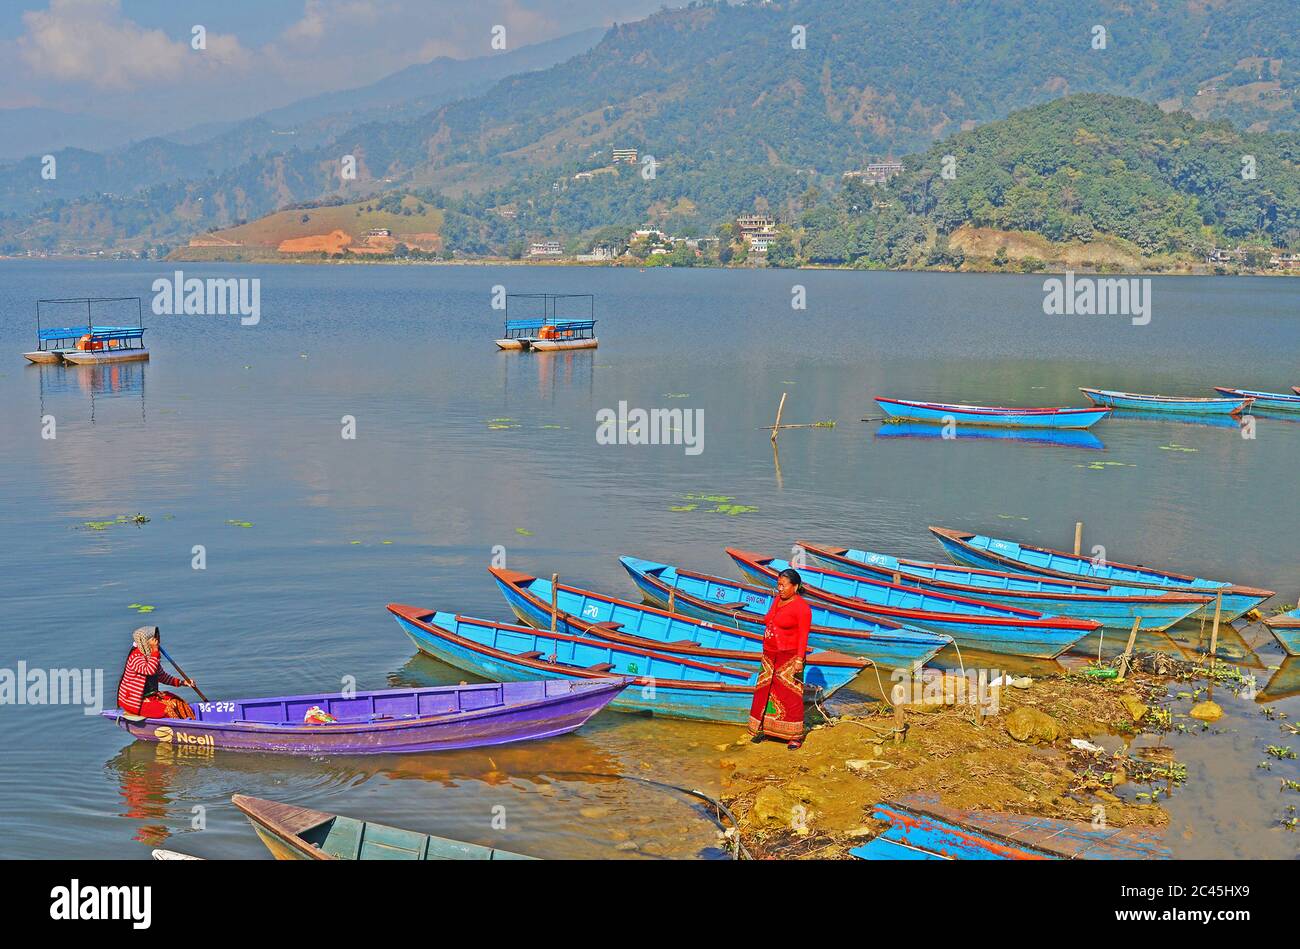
94, 384
1066, 438
532, 375
1208, 421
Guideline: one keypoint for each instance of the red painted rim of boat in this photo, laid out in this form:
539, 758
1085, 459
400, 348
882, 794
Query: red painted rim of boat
963, 538
413, 614
1029, 618
905, 817
973, 591
824, 658
996, 410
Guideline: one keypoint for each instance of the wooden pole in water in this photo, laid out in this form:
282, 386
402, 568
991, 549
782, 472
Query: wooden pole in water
1214, 632
779, 409
555, 592
1078, 537
1128, 650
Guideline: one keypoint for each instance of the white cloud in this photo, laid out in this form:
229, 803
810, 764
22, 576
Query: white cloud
326, 16
90, 41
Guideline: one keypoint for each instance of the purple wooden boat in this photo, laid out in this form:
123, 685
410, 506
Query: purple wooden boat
391, 721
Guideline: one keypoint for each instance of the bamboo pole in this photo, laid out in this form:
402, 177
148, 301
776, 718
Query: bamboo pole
1078, 537
672, 599
779, 409
555, 592
1128, 650
1214, 633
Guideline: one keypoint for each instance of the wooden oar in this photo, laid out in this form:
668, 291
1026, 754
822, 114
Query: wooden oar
197, 690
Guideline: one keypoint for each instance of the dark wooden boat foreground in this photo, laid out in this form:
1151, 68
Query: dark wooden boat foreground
299, 833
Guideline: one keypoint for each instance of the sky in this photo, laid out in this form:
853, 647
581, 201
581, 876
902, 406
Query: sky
134, 61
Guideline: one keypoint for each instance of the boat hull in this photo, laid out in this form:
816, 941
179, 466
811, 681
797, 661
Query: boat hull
1113, 607
503, 652
889, 645
105, 356
554, 345
460, 717
1286, 627
44, 356
992, 416
913, 835
1267, 401
973, 624
991, 553
1140, 402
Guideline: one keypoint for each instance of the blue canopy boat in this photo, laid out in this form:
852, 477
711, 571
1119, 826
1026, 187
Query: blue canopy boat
972, 623
1064, 437
670, 685
1286, 627
1165, 403
1268, 401
88, 343
992, 416
1113, 607
549, 331
994, 554
739, 606
583, 613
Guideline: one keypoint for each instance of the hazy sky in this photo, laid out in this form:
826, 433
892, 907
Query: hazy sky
133, 59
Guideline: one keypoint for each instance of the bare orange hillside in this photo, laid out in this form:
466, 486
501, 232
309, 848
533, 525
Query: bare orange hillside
332, 243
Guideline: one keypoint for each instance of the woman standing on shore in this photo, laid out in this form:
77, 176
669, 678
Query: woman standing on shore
777, 710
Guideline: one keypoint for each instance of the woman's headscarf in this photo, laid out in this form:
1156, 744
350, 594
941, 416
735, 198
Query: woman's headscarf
142, 637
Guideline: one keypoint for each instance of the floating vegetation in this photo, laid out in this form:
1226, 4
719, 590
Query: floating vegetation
721, 505
552, 426
499, 423
683, 507
1103, 465
828, 423
136, 519
1281, 752
1289, 785
731, 510
1013, 517
385, 542
141, 607
1174, 446
523, 532
234, 523
715, 498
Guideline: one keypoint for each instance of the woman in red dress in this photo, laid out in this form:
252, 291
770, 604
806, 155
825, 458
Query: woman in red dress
137, 693
777, 710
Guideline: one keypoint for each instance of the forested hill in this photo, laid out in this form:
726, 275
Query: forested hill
737, 103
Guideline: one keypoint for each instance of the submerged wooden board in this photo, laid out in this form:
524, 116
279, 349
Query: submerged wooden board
1064, 838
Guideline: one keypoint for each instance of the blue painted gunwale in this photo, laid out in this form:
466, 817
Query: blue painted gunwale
668, 685
994, 553
916, 836
1286, 627
992, 416
1113, 607
582, 613
973, 623
739, 605
1273, 401
1164, 403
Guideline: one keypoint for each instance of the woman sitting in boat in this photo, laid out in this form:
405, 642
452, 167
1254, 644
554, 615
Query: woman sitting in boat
777, 710
138, 694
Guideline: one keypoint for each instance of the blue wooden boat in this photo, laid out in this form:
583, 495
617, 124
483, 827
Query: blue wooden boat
1063, 437
670, 685
1268, 401
1113, 607
991, 416
291, 832
1286, 627
916, 836
993, 554
981, 834
1138, 401
584, 613
972, 623
88, 343
739, 606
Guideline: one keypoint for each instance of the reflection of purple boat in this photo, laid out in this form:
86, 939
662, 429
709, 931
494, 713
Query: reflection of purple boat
1066, 437
386, 722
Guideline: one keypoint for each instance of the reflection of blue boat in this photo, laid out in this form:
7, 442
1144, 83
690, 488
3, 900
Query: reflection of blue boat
1270, 401
1065, 437
1213, 421
1284, 684
989, 416
990, 553
1141, 402
1286, 627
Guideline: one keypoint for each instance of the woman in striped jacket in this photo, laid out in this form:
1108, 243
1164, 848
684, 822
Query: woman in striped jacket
138, 694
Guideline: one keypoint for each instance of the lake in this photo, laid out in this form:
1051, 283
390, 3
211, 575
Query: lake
461, 450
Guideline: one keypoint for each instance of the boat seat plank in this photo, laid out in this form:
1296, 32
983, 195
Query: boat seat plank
535, 654
610, 625
601, 667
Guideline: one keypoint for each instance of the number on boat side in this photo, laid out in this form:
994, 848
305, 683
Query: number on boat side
216, 706
593, 611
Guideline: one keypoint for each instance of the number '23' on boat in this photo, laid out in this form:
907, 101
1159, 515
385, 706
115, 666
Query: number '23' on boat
1137, 401
1113, 607
995, 554
584, 613
740, 606
993, 416
384, 722
972, 623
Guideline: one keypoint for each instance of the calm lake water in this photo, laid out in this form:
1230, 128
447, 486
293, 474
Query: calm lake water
461, 448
